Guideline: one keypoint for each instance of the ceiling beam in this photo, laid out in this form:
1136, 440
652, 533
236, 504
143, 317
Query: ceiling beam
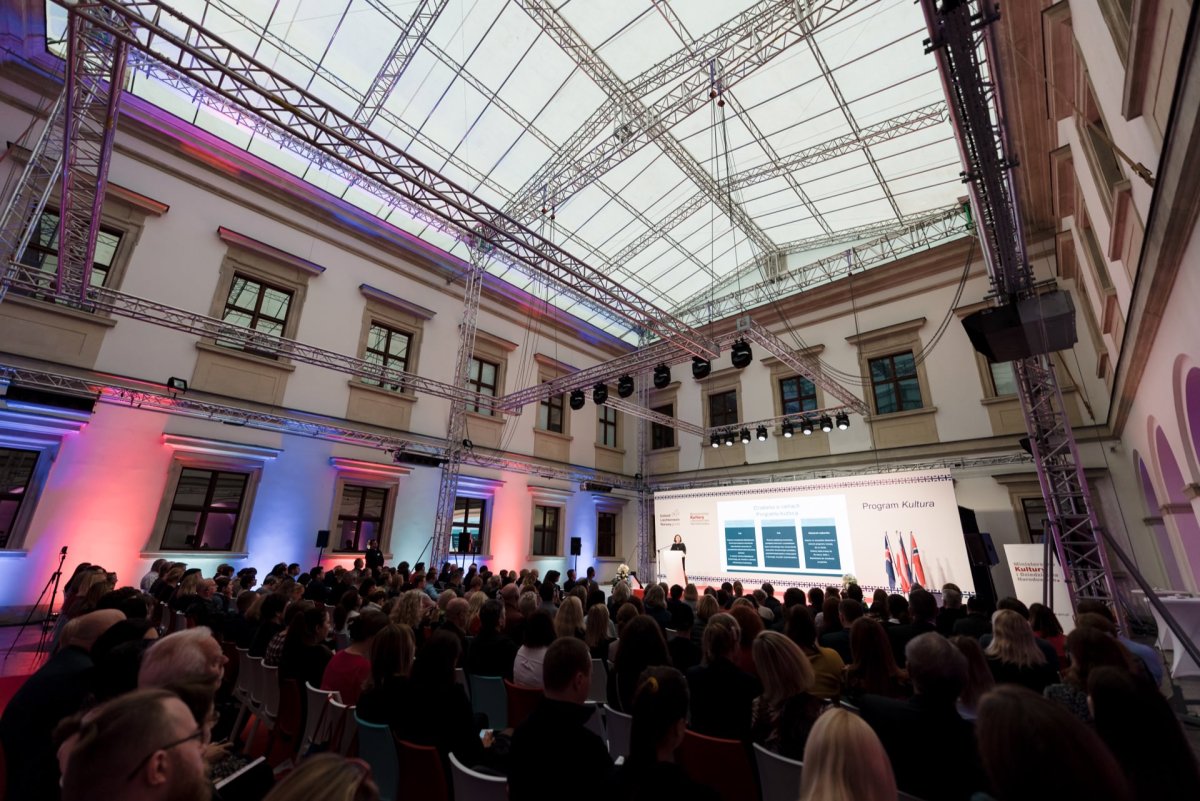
412, 34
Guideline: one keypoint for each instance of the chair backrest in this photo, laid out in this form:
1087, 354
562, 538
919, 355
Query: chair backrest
779, 776
488, 697
245, 675
343, 726
270, 696
522, 701
180, 622
620, 727
424, 761
671, 634
256, 681
289, 719
470, 785
460, 677
595, 722
723, 765
377, 747
598, 693
318, 716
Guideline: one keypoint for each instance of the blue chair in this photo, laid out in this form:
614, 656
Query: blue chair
489, 697
377, 747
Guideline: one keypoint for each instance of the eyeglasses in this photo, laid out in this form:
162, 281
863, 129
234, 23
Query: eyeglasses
198, 734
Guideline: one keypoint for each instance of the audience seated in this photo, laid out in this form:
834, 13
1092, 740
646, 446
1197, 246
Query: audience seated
979, 675
569, 620
922, 611
1019, 731
1149, 657
722, 694
305, 655
660, 709
684, 653
553, 750
189, 655
596, 631
350, 668
539, 634
641, 645
491, 653
844, 760
786, 711
976, 622
873, 668
749, 625
655, 601
848, 611
392, 654
1014, 656
1089, 649
1046, 627
952, 610
909, 729
827, 665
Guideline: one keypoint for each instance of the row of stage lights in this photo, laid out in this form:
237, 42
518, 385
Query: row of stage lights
740, 356
825, 423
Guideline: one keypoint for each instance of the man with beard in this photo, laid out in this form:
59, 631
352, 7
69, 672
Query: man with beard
142, 746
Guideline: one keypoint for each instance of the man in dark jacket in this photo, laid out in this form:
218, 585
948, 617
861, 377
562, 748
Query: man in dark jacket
909, 728
976, 623
554, 747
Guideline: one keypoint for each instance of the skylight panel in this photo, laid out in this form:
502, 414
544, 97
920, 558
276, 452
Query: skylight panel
569, 107
502, 49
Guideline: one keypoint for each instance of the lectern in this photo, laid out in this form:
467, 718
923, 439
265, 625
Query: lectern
670, 568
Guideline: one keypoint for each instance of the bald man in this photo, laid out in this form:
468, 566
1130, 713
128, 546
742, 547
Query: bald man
56, 690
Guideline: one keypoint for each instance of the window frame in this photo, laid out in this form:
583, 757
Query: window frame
713, 421
360, 518
204, 509
547, 407
385, 355
615, 534
256, 314
482, 526
896, 381
478, 385
605, 426
20, 494
27, 427
48, 295
541, 528
800, 397
660, 434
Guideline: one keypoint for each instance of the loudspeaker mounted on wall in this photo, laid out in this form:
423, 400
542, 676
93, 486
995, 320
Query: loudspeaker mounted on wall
323, 538
576, 546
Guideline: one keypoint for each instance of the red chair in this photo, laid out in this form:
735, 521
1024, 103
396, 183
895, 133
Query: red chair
522, 701
425, 762
723, 765
289, 724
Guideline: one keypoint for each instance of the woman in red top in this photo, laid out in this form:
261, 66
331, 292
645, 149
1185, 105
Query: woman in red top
349, 669
1046, 626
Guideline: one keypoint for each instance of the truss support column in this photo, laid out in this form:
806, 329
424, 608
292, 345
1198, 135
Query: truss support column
645, 501
95, 76
456, 427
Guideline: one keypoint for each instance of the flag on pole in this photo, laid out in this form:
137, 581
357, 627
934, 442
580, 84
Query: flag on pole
906, 576
887, 564
916, 560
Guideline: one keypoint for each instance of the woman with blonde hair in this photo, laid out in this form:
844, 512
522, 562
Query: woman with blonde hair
620, 595
596, 631
474, 604
1013, 654
784, 714
409, 611
569, 620
844, 760
706, 607
327, 777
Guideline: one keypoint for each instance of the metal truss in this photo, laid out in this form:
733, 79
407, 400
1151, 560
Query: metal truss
786, 166
94, 81
32, 191
645, 500
456, 426
720, 302
963, 41
680, 86
398, 59
190, 49
644, 412
807, 366
629, 107
154, 398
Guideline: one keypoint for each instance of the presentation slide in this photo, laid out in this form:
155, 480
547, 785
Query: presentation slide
888, 530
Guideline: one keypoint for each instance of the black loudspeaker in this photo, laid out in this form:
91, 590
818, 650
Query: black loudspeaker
1029, 327
464, 542
323, 538
576, 546
979, 552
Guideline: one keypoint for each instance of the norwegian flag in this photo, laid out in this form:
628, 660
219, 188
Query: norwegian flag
887, 564
906, 576
916, 560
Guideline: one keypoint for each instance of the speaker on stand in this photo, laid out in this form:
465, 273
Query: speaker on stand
576, 549
322, 543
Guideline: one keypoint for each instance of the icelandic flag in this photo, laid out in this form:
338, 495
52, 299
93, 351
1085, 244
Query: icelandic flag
906, 576
916, 560
887, 564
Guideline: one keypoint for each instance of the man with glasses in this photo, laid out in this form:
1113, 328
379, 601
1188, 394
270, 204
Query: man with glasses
143, 746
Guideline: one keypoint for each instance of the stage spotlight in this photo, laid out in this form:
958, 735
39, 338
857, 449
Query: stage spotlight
761, 433
843, 421
741, 355
700, 368
806, 427
788, 430
744, 436
826, 423
577, 399
715, 440
599, 394
625, 386
728, 439
662, 376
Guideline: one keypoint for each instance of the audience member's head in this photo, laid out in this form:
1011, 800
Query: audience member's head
783, 668
721, 638
491, 616
1012, 640
366, 626
188, 655
596, 627
873, 661
326, 777
898, 608
539, 630
706, 607
979, 675
641, 645
456, 612
1043, 621
567, 670
816, 598
392, 653
951, 596
437, 659
844, 759
938, 670
1017, 728
1012, 604
569, 620
1089, 649
922, 606
83, 631
143, 745
750, 623
849, 610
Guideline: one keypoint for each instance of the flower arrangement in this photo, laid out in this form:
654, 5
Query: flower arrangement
622, 575
848, 579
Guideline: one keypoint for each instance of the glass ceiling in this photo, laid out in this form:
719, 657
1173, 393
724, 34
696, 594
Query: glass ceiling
486, 94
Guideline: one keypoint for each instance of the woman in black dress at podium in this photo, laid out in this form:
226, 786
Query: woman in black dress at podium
678, 545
